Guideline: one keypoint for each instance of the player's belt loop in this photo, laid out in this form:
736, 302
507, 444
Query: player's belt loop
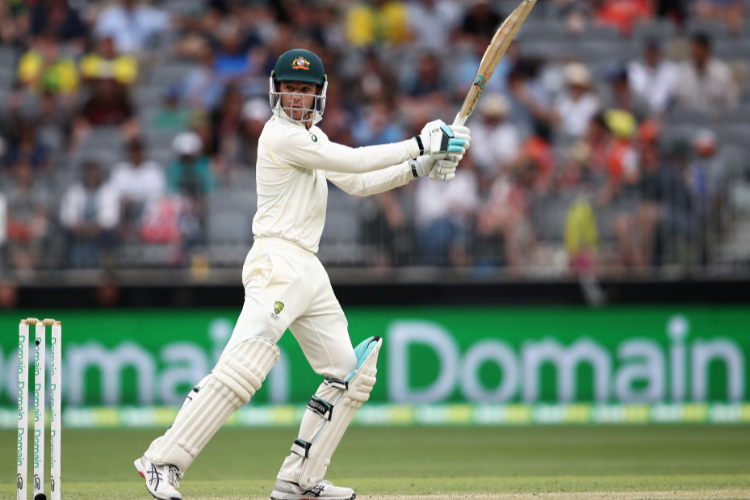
322, 408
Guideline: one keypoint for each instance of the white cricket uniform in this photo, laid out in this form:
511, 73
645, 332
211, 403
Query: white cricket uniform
286, 285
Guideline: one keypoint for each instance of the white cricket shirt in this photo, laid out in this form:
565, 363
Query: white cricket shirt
291, 172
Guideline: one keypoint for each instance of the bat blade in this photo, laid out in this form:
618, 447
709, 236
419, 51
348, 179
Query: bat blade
492, 56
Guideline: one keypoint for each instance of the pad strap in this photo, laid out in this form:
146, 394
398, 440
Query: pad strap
301, 448
322, 408
338, 384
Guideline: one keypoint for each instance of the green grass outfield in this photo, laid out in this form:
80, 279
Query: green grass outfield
555, 463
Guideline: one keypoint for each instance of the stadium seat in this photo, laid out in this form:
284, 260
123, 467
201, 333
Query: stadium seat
673, 134
678, 116
656, 29
227, 255
229, 227
148, 97
739, 115
7, 76
735, 134
170, 74
716, 30
103, 138
8, 57
183, 7
541, 30
732, 50
548, 216
596, 33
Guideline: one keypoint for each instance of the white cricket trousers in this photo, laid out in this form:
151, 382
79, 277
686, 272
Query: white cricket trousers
287, 287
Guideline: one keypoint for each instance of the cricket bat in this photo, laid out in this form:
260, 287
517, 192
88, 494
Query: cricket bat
496, 50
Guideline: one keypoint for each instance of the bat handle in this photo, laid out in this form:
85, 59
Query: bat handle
460, 120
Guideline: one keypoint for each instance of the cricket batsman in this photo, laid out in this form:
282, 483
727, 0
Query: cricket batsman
286, 285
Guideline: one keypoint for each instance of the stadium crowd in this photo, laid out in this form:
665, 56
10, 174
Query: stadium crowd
613, 137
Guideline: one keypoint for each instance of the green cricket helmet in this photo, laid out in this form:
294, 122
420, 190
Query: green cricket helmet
298, 65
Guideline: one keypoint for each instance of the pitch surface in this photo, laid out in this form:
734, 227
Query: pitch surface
555, 463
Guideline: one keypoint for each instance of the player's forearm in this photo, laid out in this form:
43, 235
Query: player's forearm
338, 158
370, 183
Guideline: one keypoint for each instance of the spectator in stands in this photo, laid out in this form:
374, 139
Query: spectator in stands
55, 17
444, 213
28, 225
441, 15
499, 140
675, 10
53, 117
190, 179
90, 213
133, 25
619, 195
707, 176
42, 68
531, 106
171, 115
581, 232
255, 114
708, 181
654, 78
666, 216
706, 83
480, 22
14, 22
574, 109
190, 174
26, 147
109, 105
202, 86
620, 96
3, 224
8, 294
377, 125
505, 215
226, 121
384, 221
425, 87
587, 158
107, 63
622, 14
231, 60
136, 181
730, 12
305, 20
376, 22
375, 81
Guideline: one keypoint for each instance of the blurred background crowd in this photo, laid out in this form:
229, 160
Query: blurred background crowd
613, 139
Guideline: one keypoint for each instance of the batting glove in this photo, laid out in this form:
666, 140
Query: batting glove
437, 138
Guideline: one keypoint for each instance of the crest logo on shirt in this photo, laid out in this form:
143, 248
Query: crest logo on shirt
313, 137
301, 63
278, 306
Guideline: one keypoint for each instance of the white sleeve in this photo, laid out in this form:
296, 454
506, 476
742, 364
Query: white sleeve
298, 147
109, 208
3, 218
371, 183
68, 208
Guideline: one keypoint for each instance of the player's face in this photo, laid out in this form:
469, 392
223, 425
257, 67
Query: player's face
303, 100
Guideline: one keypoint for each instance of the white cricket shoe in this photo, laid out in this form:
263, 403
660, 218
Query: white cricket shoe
162, 481
323, 491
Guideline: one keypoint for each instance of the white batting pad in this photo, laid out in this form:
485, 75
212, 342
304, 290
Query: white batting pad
329, 413
238, 374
